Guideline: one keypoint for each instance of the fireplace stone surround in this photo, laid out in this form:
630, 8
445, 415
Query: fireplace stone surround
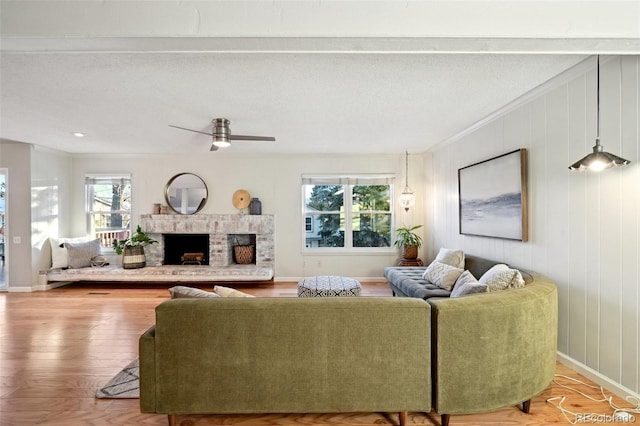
219, 227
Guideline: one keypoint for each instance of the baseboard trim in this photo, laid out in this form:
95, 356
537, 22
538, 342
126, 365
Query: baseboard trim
591, 374
11, 289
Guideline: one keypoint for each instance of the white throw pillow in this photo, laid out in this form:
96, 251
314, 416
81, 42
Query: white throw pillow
442, 275
467, 284
451, 257
499, 277
59, 254
229, 292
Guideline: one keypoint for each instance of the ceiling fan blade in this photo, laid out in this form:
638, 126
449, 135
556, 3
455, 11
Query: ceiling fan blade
251, 138
190, 130
213, 148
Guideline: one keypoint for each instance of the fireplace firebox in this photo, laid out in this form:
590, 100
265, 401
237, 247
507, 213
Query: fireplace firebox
186, 249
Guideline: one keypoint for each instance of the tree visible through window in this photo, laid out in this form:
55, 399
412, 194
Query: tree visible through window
108, 207
347, 212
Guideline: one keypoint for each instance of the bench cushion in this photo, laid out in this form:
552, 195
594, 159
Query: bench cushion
408, 282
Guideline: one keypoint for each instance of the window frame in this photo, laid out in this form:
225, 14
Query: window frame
106, 178
349, 181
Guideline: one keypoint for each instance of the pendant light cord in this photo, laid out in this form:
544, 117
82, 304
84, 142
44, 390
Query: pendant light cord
406, 169
598, 101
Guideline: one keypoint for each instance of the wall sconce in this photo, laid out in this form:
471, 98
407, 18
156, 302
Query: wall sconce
598, 159
407, 199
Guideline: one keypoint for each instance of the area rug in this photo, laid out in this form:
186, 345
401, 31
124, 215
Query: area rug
125, 384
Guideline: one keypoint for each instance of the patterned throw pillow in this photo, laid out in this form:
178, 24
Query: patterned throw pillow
229, 292
184, 292
499, 277
80, 254
442, 275
467, 284
451, 257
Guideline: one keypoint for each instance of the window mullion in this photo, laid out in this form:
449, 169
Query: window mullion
348, 206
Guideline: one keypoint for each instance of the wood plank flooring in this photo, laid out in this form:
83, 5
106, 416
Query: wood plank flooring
58, 347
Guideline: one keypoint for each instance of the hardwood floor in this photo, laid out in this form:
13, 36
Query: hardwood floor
58, 347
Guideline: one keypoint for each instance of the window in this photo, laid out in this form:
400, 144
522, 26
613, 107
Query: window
348, 212
108, 201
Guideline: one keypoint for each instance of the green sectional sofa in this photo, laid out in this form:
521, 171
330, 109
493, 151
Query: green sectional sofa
461, 355
490, 350
287, 355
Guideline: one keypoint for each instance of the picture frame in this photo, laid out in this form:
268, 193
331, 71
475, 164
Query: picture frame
492, 197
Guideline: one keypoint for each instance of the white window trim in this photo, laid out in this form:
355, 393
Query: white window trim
349, 180
90, 212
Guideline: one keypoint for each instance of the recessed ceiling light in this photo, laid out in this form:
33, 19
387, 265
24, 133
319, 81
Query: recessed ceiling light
78, 134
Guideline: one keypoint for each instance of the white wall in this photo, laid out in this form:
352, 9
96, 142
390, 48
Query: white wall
15, 157
584, 228
50, 194
275, 180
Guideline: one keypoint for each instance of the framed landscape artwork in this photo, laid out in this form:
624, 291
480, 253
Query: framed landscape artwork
493, 197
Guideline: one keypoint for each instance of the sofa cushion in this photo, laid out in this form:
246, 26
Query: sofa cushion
80, 254
467, 284
229, 292
451, 257
184, 292
442, 275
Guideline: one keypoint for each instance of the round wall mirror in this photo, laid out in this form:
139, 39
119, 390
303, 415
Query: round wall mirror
186, 193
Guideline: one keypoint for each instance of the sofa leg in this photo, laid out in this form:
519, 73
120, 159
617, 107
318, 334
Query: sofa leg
526, 406
444, 420
402, 417
172, 419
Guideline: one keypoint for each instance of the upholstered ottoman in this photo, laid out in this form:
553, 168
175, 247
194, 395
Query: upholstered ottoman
328, 286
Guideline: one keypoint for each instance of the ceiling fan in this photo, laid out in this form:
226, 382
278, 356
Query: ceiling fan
222, 134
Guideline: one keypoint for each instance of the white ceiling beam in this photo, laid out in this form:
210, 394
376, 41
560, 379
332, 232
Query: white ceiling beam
608, 19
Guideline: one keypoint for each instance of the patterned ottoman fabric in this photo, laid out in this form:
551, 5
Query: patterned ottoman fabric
328, 286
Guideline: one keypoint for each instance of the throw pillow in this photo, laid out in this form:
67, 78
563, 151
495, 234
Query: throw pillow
229, 292
467, 284
498, 277
451, 257
59, 254
442, 275
80, 254
517, 280
184, 292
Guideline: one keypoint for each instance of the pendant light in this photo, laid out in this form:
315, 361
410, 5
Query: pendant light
598, 159
407, 199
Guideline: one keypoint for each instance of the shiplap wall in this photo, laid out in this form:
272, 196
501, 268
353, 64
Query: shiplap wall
584, 228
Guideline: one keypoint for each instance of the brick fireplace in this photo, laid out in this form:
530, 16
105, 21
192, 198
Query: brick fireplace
222, 230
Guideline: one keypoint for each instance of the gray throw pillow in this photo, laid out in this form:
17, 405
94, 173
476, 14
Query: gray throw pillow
467, 284
184, 292
80, 254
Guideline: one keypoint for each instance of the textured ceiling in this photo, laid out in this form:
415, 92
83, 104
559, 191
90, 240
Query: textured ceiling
311, 103
319, 76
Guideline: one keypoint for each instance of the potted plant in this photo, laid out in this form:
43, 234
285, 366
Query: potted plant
408, 241
132, 249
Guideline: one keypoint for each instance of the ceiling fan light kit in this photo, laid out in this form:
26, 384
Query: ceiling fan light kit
221, 134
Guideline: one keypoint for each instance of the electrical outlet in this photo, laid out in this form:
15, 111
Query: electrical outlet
17, 240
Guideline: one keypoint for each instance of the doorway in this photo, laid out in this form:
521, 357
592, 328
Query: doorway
3, 228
